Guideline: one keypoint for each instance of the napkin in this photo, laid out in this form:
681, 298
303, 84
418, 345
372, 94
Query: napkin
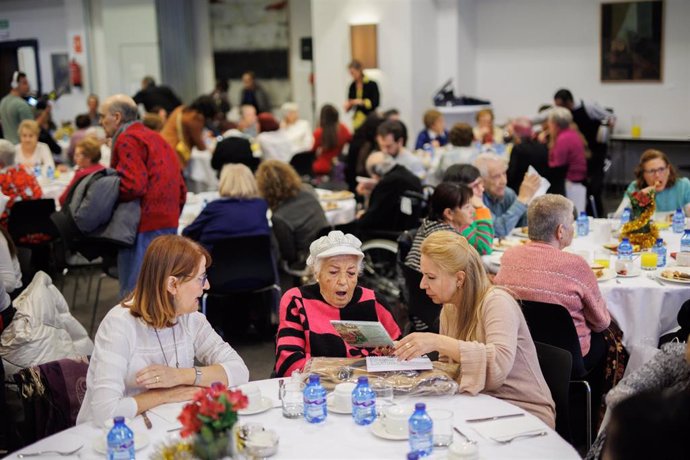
544, 184
508, 427
168, 412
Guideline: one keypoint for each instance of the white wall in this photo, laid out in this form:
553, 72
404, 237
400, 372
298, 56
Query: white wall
528, 49
300, 27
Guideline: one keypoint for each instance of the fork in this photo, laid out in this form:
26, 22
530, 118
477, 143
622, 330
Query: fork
43, 452
523, 435
653, 278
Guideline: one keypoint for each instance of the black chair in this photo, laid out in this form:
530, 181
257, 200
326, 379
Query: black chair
243, 268
556, 365
31, 229
424, 314
302, 162
552, 324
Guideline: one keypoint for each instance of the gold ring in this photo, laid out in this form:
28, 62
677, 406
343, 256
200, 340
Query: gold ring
409, 345
158, 379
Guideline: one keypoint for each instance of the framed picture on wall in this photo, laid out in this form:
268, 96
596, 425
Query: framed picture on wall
632, 41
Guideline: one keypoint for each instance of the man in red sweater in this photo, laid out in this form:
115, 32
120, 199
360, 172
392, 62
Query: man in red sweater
149, 171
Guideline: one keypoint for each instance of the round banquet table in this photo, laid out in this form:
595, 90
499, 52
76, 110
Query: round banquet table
337, 438
644, 307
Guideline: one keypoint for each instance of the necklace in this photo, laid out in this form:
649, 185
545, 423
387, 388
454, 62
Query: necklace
177, 361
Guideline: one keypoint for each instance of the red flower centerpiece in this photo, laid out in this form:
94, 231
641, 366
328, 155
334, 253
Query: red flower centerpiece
210, 418
639, 229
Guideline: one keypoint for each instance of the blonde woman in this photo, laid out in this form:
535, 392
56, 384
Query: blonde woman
29, 152
240, 211
482, 328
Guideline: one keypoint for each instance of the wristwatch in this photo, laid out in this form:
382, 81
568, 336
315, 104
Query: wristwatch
197, 378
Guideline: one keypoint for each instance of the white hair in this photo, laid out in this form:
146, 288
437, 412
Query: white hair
560, 116
482, 162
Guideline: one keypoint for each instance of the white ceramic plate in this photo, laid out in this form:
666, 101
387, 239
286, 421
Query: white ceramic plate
141, 440
609, 274
635, 271
679, 269
518, 231
335, 409
380, 432
266, 404
495, 258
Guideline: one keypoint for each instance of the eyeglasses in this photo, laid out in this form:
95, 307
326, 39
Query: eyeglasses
202, 279
656, 171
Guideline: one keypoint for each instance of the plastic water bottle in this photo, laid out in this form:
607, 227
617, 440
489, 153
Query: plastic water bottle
678, 221
37, 170
120, 441
421, 431
625, 250
582, 224
685, 241
625, 217
363, 402
50, 172
660, 251
315, 410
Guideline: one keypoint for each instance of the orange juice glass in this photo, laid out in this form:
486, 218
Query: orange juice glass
648, 260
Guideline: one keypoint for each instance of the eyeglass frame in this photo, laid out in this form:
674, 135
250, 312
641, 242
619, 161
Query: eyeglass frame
652, 172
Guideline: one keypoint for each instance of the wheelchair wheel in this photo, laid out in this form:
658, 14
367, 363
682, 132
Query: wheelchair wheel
379, 269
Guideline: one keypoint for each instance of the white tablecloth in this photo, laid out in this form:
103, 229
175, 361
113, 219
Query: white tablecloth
337, 438
644, 309
200, 170
53, 188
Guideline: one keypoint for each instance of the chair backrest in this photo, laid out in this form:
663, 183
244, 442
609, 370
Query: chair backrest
556, 364
423, 312
302, 162
552, 324
31, 217
405, 241
413, 206
242, 264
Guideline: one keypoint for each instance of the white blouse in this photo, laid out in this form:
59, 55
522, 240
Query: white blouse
10, 271
124, 345
300, 135
42, 156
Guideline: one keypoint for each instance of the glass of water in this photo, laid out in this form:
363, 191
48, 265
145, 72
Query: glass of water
384, 394
291, 398
443, 426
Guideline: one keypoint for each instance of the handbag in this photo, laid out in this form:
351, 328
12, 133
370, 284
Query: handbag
182, 149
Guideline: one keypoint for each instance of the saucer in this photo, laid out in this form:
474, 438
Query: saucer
380, 432
335, 409
635, 271
141, 440
263, 407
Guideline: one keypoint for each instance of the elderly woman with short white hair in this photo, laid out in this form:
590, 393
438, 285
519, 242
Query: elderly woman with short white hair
306, 312
298, 131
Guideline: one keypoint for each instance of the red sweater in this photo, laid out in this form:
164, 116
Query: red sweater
149, 169
324, 161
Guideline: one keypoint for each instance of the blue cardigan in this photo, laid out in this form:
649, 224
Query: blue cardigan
227, 218
425, 137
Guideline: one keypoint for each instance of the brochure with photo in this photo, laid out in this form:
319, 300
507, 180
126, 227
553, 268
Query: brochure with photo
366, 334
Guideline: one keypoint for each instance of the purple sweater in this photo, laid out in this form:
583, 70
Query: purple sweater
569, 150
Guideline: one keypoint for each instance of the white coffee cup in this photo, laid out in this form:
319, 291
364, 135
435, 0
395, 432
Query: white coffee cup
683, 259
395, 418
342, 396
253, 394
602, 231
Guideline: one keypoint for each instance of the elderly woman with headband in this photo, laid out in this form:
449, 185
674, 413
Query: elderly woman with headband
146, 347
306, 312
482, 328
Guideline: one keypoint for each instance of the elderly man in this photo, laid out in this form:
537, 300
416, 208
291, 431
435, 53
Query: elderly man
390, 136
149, 171
508, 209
16, 182
568, 152
541, 271
385, 211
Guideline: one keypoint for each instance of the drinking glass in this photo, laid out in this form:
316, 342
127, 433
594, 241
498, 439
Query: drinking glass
648, 260
384, 394
291, 397
602, 258
443, 426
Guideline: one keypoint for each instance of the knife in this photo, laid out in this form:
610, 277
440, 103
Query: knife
496, 417
147, 420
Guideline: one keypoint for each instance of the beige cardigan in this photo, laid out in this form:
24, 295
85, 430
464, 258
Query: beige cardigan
503, 361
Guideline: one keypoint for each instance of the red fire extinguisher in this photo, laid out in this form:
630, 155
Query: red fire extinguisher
75, 73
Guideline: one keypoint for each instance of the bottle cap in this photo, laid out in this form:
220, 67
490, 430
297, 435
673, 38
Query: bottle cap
659, 241
363, 379
412, 456
679, 210
119, 419
625, 240
420, 406
582, 213
314, 378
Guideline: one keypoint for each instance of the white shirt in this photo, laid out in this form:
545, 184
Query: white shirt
124, 345
411, 162
300, 135
42, 156
10, 271
275, 145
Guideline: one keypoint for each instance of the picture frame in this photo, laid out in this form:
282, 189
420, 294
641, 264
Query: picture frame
632, 41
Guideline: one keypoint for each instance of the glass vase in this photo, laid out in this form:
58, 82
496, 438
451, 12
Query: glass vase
217, 446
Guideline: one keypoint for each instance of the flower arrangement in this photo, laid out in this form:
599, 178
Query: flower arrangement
639, 229
210, 418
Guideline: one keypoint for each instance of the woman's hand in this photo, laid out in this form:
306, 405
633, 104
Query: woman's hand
382, 351
180, 393
416, 345
158, 376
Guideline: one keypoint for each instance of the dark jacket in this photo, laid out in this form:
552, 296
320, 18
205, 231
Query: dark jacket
384, 213
157, 96
234, 150
228, 218
370, 90
535, 154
